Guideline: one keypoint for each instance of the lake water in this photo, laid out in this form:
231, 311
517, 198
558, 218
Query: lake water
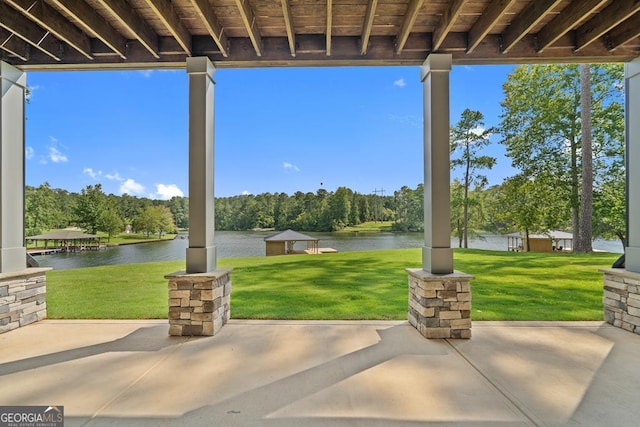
231, 244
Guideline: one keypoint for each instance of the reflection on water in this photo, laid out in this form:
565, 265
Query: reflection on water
231, 244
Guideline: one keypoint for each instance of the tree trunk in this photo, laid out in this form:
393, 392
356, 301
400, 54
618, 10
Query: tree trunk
575, 192
583, 244
526, 236
465, 215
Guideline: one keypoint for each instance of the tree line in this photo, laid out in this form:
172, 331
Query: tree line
49, 208
562, 126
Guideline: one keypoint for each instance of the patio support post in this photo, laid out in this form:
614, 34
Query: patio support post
200, 297
439, 297
632, 126
201, 253
437, 255
22, 289
12, 105
622, 285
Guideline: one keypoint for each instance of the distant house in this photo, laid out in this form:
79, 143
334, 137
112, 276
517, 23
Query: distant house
283, 243
552, 241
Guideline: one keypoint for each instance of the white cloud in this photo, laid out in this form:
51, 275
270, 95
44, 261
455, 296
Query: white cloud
146, 73
165, 192
290, 167
478, 130
400, 83
131, 187
246, 192
56, 156
28, 153
114, 176
93, 174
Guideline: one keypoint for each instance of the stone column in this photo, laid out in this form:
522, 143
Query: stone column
622, 285
12, 250
632, 126
201, 253
200, 297
439, 297
437, 255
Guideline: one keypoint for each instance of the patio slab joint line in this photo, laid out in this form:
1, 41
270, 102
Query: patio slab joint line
136, 381
526, 412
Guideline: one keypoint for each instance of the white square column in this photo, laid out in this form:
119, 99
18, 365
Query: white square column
437, 255
12, 106
632, 127
201, 253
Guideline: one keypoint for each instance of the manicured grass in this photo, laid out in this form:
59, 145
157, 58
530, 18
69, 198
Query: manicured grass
348, 285
535, 286
371, 226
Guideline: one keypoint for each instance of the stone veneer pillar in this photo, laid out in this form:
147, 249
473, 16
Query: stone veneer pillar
439, 297
199, 304
13, 84
622, 299
632, 129
200, 297
440, 304
22, 297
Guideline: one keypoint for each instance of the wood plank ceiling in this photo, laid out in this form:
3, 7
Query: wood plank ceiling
78, 34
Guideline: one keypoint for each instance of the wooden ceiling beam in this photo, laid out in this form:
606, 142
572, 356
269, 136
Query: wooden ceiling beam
570, 17
29, 31
210, 21
606, 20
329, 25
92, 23
128, 17
52, 20
13, 44
288, 24
528, 19
409, 19
446, 22
345, 52
367, 25
624, 32
165, 11
485, 23
249, 19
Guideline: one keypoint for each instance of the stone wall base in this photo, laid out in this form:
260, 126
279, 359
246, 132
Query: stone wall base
22, 298
440, 304
199, 304
622, 299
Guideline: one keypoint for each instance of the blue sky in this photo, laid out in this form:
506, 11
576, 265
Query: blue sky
277, 130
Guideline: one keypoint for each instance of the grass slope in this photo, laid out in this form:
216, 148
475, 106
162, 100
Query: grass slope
349, 285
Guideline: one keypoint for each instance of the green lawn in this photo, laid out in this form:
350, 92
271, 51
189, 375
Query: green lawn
370, 226
348, 285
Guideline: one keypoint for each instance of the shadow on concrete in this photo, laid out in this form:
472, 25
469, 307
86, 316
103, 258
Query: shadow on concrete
147, 339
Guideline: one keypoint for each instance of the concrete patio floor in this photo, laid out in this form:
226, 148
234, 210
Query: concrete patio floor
321, 373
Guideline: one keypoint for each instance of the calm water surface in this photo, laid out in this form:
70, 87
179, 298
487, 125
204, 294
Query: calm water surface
231, 244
